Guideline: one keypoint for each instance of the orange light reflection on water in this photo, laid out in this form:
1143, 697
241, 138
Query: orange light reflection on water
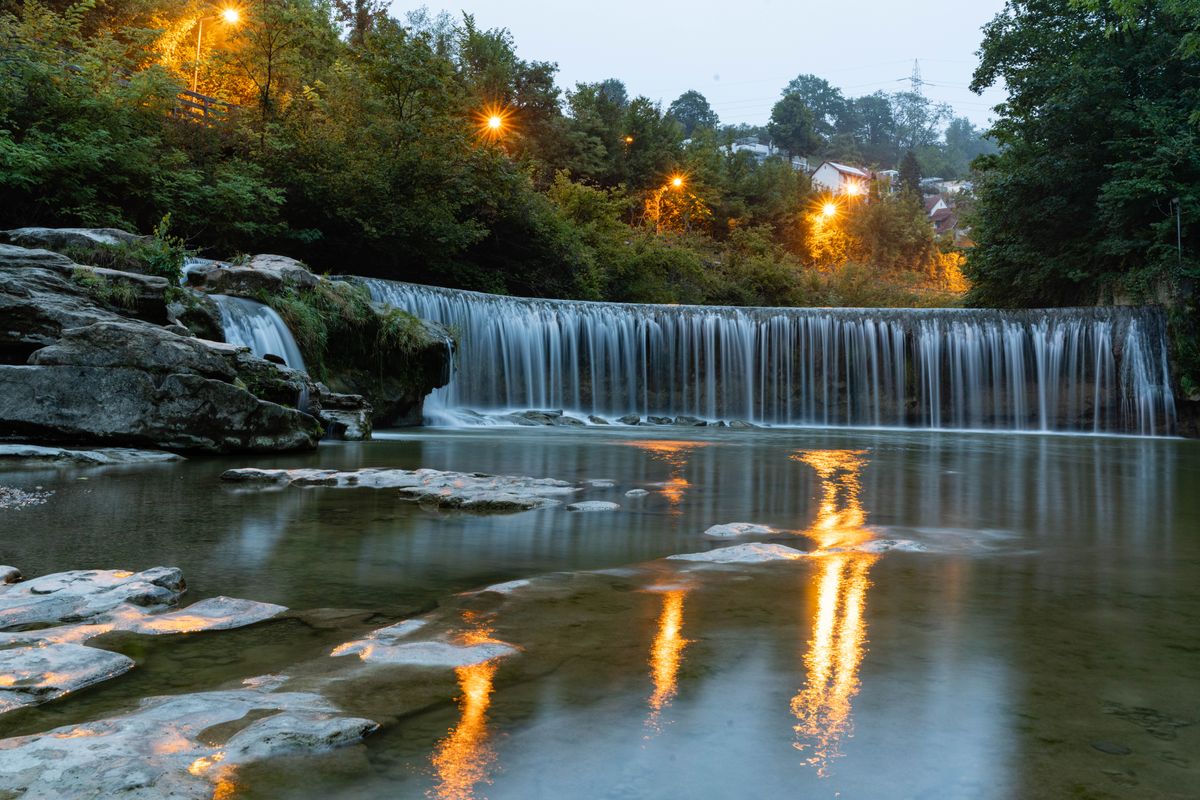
666, 654
463, 758
822, 708
676, 455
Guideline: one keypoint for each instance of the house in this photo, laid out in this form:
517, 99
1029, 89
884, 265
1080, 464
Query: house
840, 179
762, 152
935, 203
945, 220
889, 178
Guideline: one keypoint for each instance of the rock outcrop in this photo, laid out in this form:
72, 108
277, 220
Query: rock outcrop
262, 273
75, 370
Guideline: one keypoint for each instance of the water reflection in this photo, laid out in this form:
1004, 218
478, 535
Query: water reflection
666, 654
463, 759
675, 454
822, 708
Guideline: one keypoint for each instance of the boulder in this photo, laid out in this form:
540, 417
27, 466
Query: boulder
130, 344
61, 238
198, 313
691, 422
630, 419
344, 416
659, 420
38, 302
757, 553
397, 390
595, 420
134, 407
262, 273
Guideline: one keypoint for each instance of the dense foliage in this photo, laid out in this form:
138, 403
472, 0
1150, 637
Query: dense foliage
1100, 134
361, 143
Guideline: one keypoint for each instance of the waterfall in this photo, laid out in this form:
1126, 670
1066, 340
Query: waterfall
258, 327
1083, 369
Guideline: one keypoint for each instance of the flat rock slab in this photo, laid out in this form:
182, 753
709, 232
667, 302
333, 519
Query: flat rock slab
158, 751
36, 674
81, 594
214, 614
755, 553
732, 530
593, 505
97, 456
45, 663
432, 488
436, 653
636, 493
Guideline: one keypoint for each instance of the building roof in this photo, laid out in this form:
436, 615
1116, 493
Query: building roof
854, 172
944, 220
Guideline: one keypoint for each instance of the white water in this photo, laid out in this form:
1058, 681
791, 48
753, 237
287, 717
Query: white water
1091, 370
258, 327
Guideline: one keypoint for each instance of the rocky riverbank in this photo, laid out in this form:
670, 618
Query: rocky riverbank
93, 356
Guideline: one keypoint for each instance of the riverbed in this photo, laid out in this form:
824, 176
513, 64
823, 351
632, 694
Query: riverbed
970, 615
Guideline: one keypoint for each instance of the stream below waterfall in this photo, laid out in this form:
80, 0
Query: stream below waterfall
1026, 627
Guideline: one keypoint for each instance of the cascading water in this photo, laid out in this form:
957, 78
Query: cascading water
1089, 369
258, 327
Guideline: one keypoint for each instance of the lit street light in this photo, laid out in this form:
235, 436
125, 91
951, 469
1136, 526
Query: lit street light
829, 209
677, 182
493, 121
231, 16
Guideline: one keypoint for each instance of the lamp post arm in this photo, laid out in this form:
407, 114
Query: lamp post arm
196, 69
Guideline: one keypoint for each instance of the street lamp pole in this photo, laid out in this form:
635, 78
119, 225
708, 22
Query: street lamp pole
1178, 229
196, 69
231, 16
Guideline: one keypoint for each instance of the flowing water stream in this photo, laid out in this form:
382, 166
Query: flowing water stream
1028, 627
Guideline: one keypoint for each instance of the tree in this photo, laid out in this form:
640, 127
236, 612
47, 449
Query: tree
1097, 136
910, 175
792, 126
824, 100
692, 111
918, 120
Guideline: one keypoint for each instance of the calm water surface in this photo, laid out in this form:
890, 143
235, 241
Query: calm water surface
1045, 641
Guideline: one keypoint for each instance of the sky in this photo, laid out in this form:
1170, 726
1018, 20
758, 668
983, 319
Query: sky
740, 54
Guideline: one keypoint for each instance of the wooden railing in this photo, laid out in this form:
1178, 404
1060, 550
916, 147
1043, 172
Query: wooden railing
201, 108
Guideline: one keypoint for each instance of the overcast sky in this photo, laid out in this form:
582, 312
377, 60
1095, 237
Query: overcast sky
740, 54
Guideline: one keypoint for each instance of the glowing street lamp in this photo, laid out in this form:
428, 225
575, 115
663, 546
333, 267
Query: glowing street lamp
231, 16
493, 121
829, 209
628, 140
677, 182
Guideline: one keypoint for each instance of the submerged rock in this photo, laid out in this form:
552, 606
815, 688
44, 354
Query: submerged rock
592, 418
162, 749
755, 553
99, 456
593, 505
636, 493
659, 420
430, 487
733, 529
691, 422
630, 419
741, 423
